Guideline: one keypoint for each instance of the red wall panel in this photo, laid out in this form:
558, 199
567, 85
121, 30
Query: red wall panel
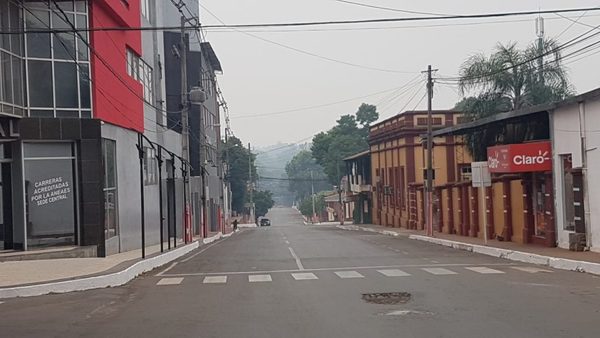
117, 96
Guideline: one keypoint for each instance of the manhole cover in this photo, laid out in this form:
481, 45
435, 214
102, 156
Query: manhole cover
388, 298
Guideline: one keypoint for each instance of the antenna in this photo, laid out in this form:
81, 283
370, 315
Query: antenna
539, 27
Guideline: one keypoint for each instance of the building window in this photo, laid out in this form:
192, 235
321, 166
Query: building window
145, 9
150, 167
57, 65
11, 61
464, 171
109, 157
141, 72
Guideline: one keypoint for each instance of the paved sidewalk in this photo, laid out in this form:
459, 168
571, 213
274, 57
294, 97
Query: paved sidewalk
39, 277
554, 257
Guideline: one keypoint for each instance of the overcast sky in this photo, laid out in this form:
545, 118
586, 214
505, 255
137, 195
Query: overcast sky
262, 78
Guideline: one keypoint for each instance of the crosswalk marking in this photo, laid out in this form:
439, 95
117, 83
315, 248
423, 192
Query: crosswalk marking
439, 271
393, 273
349, 274
170, 281
259, 278
304, 276
529, 269
215, 280
483, 270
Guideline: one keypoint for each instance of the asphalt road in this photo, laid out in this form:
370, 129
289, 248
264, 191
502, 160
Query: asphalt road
292, 280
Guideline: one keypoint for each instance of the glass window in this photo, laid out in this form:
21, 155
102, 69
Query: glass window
5, 70
80, 6
110, 188
84, 86
64, 43
4, 25
15, 23
38, 44
17, 72
41, 113
65, 83
50, 186
82, 48
150, 167
145, 9
40, 84
67, 113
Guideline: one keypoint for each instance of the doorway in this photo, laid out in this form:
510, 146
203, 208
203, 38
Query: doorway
539, 205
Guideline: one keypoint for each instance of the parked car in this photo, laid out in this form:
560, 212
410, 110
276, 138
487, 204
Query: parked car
265, 222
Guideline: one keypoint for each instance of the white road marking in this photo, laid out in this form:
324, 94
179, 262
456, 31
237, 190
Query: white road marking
1, 303
434, 261
405, 252
215, 280
407, 312
349, 274
287, 242
393, 273
530, 269
328, 269
170, 281
167, 269
484, 270
304, 276
439, 271
259, 278
298, 262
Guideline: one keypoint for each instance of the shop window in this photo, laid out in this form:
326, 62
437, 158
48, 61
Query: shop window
50, 191
109, 157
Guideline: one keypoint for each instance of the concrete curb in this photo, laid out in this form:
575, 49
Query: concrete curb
359, 228
518, 256
98, 282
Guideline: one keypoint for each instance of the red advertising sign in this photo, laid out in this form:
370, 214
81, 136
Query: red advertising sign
518, 158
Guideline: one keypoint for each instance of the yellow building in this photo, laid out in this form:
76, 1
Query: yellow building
398, 163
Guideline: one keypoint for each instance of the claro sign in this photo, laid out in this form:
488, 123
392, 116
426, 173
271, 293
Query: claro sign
518, 158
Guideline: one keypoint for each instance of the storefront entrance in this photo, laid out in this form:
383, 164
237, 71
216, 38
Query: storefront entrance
50, 194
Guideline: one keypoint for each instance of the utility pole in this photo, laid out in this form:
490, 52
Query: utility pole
250, 185
312, 189
185, 151
429, 186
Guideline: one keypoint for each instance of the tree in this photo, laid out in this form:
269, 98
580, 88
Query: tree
299, 171
238, 157
509, 79
263, 201
348, 137
306, 205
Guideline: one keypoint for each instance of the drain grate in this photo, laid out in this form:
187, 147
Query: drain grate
387, 298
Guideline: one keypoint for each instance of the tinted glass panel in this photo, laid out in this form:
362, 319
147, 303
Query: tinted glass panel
5, 64
15, 23
41, 113
40, 84
64, 43
38, 44
66, 84
67, 113
84, 85
82, 48
17, 65
4, 25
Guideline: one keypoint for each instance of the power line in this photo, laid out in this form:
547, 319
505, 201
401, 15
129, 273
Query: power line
311, 23
301, 51
388, 8
318, 106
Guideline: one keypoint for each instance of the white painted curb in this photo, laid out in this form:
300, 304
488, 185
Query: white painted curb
358, 228
98, 282
519, 256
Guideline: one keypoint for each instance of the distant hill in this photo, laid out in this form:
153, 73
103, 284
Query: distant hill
271, 162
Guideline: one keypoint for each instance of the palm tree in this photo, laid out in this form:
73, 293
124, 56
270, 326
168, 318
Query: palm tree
509, 79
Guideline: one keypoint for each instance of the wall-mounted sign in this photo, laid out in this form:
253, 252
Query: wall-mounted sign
518, 158
9, 129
